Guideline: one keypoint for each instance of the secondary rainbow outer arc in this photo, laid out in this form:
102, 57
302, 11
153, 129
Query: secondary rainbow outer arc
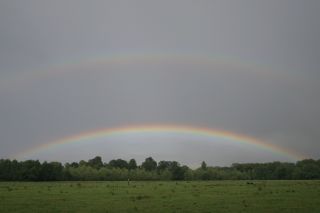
192, 58
198, 131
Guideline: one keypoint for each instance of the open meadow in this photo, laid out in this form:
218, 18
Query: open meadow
156, 196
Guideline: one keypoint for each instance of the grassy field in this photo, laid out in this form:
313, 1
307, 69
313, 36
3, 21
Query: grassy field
184, 197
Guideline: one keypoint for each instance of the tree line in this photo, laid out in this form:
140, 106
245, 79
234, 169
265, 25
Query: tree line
95, 169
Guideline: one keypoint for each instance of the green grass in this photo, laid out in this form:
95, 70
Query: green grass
184, 197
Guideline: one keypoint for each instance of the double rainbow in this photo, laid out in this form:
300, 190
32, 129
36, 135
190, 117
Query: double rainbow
129, 58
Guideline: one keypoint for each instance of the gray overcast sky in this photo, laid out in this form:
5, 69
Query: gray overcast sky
250, 67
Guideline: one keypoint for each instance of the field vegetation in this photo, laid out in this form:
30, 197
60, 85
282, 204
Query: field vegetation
166, 186
161, 196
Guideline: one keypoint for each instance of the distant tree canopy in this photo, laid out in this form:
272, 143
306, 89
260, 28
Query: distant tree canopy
119, 169
132, 164
96, 162
119, 163
149, 164
203, 165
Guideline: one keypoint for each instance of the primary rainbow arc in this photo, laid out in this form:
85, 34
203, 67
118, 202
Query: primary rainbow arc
162, 129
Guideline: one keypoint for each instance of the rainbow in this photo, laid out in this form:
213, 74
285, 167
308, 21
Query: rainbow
75, 66
201, 132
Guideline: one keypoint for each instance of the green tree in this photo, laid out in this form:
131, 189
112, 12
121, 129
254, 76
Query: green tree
162, 165
30, 170
119, 163
83, 163
132, 164
177, 171
96, 162
307, 169
203, 165
149, 164
51, 171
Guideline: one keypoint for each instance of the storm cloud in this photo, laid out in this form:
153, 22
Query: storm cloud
250, 67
